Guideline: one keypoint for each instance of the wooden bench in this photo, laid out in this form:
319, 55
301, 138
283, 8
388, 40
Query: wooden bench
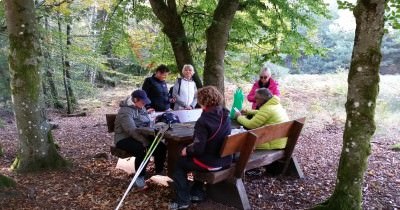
110, 118
226, 186
278, 161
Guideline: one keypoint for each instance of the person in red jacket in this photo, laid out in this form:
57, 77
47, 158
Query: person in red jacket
265, 81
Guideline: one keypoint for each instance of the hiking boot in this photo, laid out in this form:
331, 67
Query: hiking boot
175, 205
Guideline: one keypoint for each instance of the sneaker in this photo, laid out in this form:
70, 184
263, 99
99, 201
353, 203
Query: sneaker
196, 198
140, 183
175, 205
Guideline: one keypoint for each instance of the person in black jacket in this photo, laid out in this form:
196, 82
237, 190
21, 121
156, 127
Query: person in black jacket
156, 89
203, 154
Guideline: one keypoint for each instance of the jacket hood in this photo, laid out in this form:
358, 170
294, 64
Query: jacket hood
126, 103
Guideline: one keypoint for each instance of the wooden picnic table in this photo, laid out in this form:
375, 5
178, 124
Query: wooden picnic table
177, 137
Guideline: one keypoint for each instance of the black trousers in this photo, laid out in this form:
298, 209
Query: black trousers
139, 151
182, 185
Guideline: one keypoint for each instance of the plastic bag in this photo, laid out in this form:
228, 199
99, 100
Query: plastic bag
238, 98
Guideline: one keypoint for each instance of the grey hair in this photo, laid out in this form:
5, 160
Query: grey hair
265, 69
187, 66
264, 93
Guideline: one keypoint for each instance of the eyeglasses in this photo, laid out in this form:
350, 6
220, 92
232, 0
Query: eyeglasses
263, 77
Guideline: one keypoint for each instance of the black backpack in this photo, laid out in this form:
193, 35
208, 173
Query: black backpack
171, 90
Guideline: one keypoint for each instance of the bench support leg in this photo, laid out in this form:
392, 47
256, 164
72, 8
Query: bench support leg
290, 167
231, 193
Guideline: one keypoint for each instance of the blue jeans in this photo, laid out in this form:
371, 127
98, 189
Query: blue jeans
182, 184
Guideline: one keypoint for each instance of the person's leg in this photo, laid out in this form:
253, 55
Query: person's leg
160, 154
137, 149
181, 183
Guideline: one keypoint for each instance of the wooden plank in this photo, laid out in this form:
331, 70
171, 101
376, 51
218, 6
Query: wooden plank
110, 118
264, 157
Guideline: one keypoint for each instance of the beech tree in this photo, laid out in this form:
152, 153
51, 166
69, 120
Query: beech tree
36, 147
363, 88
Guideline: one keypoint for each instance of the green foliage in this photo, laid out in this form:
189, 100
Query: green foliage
6, 182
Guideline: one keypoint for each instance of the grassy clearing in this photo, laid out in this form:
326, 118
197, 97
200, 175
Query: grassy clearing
322, 99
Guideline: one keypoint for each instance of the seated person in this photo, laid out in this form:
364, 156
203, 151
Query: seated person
265, 81
132, 115
203, 154
269, 111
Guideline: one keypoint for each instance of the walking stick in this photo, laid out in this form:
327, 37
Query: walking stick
153, 146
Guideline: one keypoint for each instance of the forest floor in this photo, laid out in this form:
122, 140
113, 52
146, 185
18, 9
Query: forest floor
93, 182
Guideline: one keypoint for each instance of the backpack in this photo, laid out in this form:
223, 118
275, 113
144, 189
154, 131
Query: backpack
168, 118
171, 90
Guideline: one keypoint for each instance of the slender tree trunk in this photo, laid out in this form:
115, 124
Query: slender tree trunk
68, 67
363, 88
173, 27
217, 39
49, 70
36, 147
62, 54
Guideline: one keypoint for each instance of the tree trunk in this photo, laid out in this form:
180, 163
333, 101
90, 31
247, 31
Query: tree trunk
49, 70
65, 80
363, 88
175, 31
36, 147
68, 68
217, 39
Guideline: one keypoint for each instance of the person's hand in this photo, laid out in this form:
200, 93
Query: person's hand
172, 100
150, 110
188, 107
183, 152
237, 114
244, 111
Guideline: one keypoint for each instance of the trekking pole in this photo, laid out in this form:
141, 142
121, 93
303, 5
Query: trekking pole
149, 152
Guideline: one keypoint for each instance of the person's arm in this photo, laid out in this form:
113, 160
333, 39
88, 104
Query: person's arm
175, 94
274, 87
193, 104
199, 140
129, 126
252, 95
256, 121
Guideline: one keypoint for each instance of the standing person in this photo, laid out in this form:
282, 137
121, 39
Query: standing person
185, 89
269, 111
156, 88
265, 81
132, 115
203, 154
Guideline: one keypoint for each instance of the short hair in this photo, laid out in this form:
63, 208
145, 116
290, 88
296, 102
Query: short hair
264, 93
187, 66
162, 68
209, 96
265, 69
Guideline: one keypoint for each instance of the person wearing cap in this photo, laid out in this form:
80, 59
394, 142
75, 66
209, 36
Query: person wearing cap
132, 115
157, 90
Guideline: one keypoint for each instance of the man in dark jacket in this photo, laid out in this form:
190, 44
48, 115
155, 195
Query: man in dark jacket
156, 89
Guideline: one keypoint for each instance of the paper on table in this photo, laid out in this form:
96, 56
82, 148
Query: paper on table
126, 164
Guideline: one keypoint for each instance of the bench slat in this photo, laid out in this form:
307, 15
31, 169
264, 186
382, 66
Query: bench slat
264, 157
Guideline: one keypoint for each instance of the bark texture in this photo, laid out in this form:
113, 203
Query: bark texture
217, 39
36, 148
363, 88
167, 13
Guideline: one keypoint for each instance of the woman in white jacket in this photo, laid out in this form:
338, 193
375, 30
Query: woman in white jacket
185, 90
